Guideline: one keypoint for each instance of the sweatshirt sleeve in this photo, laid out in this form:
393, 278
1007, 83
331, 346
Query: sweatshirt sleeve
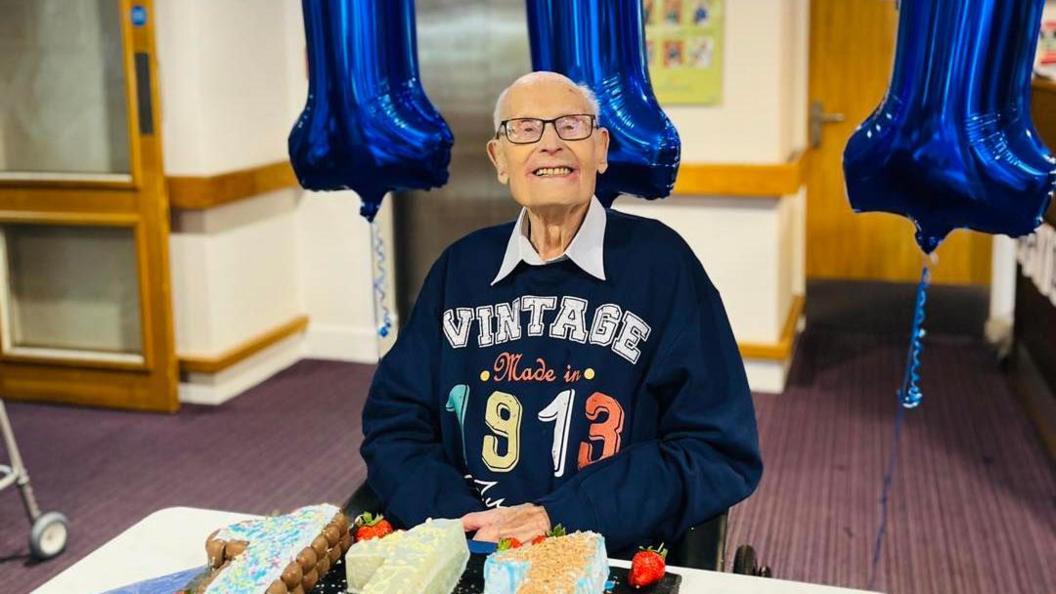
407, 464
705, 457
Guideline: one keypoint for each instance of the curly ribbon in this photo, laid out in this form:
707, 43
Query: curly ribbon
909, 396
382, 316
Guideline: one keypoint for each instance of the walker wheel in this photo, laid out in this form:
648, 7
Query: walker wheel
744, 560
48, 536
744, 563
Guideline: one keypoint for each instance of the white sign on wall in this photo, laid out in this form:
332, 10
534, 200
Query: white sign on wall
1036, 253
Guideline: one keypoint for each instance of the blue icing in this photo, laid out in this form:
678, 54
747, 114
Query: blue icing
503, 577
504, 574
274, 542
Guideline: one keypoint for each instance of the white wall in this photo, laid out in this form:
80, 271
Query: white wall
745, 246
221, 77
336, 276
1000, 320
235, 271
224, 72
232, 79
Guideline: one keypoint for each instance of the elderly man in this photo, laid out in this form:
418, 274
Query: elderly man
574, 367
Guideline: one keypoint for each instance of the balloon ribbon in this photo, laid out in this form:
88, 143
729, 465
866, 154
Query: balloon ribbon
909, 396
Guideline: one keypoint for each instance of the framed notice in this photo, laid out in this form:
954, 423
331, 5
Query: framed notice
684, 43
1045, 61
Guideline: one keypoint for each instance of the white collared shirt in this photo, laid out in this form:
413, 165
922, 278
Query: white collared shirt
585, 249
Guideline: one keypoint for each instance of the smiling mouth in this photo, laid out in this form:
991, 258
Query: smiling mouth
552, 171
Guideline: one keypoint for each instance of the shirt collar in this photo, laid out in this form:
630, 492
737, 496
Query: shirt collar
585, 249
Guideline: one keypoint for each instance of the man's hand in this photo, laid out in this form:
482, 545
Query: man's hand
523, 522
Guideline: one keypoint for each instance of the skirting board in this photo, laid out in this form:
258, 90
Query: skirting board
769, 376
217, 388
341, 343
320, 341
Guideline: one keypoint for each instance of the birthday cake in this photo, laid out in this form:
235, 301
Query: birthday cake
572, 564
428, 559
275, 555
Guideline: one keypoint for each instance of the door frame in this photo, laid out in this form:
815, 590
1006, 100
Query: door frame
138, 203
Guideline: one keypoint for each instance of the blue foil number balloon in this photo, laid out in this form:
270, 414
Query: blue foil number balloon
367, 124
952, 144
600, 43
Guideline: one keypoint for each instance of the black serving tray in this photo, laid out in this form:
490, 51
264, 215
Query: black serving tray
472, 581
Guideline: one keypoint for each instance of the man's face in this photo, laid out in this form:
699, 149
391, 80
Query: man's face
552, 171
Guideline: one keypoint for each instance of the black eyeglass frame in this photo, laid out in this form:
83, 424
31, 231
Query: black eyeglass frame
504, 129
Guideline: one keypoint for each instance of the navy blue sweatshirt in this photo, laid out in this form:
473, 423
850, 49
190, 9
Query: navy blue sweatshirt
619, 405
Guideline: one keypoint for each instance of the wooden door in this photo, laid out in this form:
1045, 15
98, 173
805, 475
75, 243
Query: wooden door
85, 314
851, 51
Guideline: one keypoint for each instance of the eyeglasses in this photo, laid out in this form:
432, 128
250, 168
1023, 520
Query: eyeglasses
576, 126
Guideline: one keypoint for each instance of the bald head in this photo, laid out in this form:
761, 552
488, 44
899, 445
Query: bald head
538, 81
551, 173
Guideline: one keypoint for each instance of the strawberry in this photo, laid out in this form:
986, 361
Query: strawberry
369, 526
509, 543
558, 530
647, 566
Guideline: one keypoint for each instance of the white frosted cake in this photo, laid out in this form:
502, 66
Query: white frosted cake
428, 559
573, 564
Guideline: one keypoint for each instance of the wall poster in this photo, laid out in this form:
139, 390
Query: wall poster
684, 46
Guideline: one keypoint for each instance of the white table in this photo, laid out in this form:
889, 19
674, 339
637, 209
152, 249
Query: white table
173, 539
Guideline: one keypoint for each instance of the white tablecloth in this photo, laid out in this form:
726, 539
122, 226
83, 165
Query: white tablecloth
173, 539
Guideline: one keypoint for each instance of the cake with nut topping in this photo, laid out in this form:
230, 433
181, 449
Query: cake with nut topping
572, 564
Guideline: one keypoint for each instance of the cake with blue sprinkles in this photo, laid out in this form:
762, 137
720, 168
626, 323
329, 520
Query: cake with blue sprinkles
572, 564
285, 554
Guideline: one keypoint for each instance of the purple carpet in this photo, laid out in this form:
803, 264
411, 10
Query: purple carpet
292, 441
973, 506
973, 501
